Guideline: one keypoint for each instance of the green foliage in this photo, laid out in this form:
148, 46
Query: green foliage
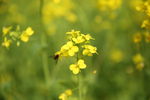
29, 71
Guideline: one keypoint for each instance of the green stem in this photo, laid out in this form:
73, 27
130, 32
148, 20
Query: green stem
45, 67
44, 43
80, 86
79, 81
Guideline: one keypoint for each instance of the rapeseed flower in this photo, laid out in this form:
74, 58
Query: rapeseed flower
137, 38
78, 45
6, 30
65, 95
105, 5
26, 34
15, 35
55, 9
138, 61
145, 7
89, 50
78, 37
147, 37
75, 68
138, 58
146, 24
6, 43
69, 49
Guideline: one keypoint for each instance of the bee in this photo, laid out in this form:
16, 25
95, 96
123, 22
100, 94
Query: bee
55, 57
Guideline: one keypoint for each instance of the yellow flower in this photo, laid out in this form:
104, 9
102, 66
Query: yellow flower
146, 24
109, 4
15, 36
56, 1
24, 37
6, 30
6, 43
75, 68
138, 58
67, 46
146, 8
73, 50
26, 34
68, 92
139, 61
68, 49
65, 95
88, 37
140, 66
79, 39
82, 38
81, 64
73, 33
89, 50
137, 38
78, 43
54, 9
29, 31
147, 37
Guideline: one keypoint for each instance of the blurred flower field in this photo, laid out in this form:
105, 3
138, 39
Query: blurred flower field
74, 49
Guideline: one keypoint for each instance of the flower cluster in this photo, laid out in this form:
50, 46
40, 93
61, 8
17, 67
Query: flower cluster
11, 35
75, 68
54, 9
138, 37
138, 61
145, 8
78, 45
26, 34
109, 4
65, 95
69, 49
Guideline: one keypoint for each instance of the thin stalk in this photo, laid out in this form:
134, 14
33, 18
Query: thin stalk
44, 43
79, 81
80, 87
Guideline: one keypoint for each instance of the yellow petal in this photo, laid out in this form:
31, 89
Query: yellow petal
6, 30
81, 64
6, 42
72, 67
24, 38
63, 96
88, 37
29, 31
70, 44
68, 92
85, 52
76, 70
71, 53
138, 58
75, 48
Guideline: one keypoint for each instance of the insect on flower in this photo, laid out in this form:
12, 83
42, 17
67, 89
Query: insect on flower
55, 57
